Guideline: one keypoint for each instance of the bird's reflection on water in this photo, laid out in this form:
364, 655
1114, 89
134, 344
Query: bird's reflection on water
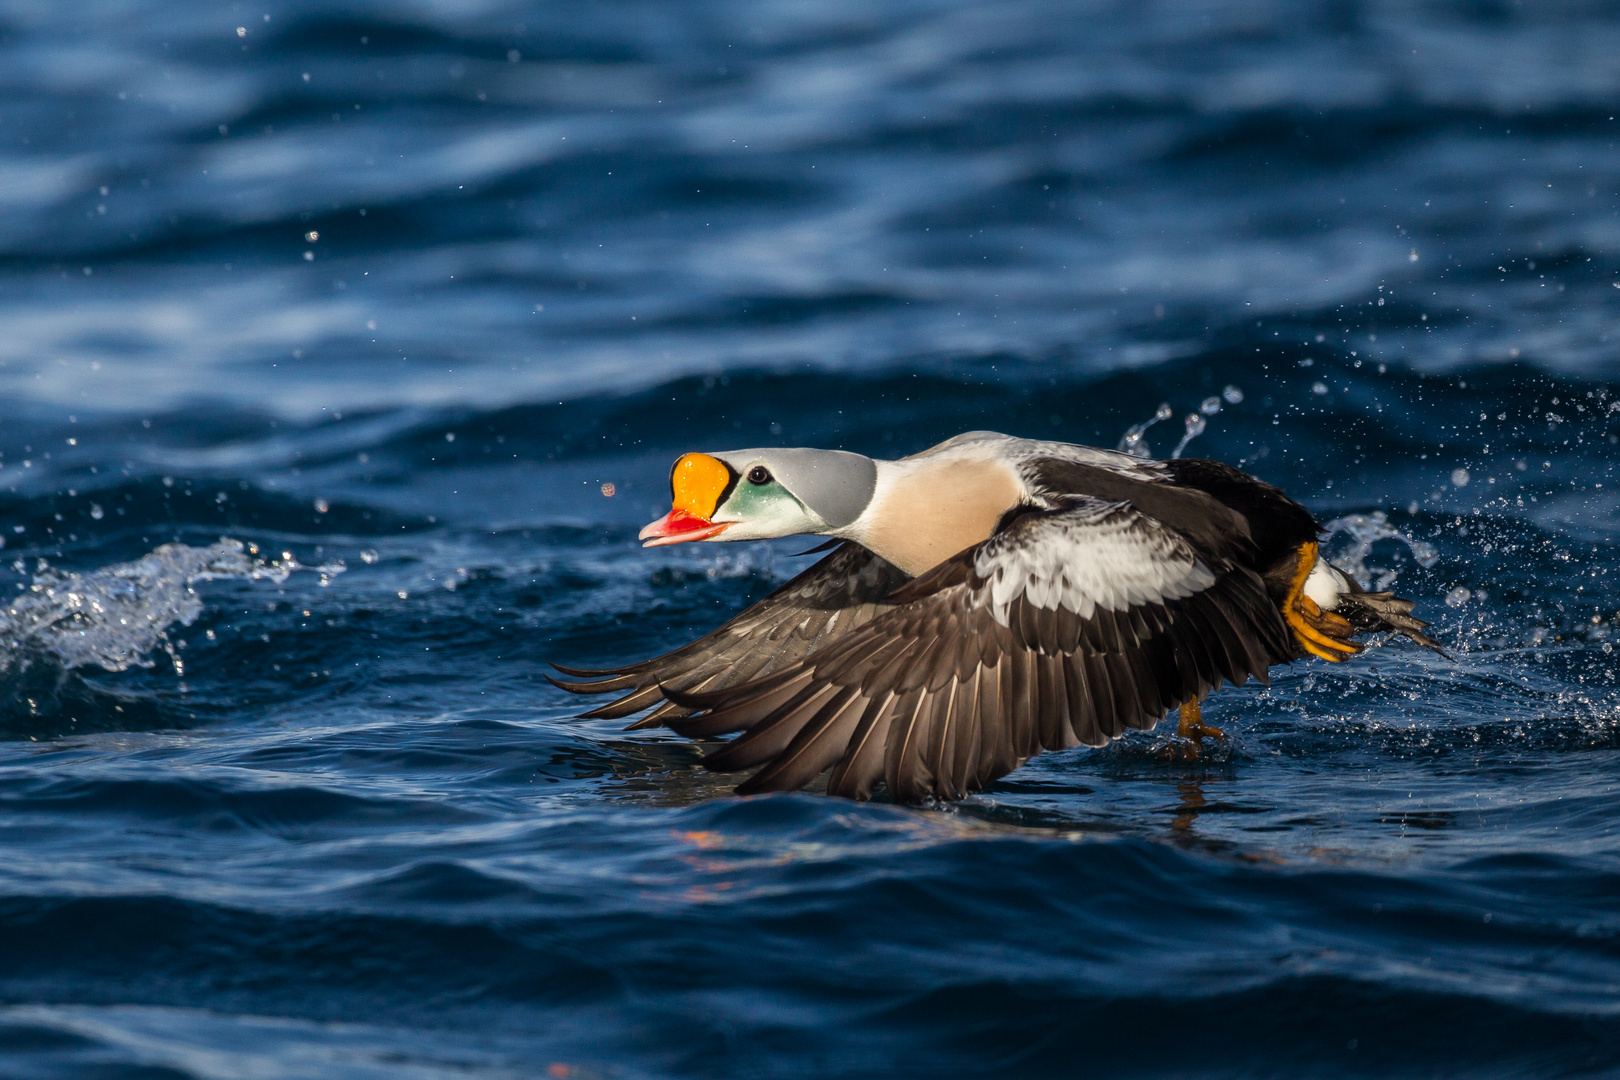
1193, 802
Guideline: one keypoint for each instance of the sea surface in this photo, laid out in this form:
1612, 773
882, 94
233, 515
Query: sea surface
344, 347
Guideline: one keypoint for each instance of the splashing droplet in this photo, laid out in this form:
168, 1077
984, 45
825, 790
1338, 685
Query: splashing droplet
1133, 441
116, 616
1365, 530
1195, 427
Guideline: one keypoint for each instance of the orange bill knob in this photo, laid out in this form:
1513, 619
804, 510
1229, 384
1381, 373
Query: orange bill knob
696, 485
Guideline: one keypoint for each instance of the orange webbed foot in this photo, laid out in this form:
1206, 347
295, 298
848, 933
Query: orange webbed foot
1307, 620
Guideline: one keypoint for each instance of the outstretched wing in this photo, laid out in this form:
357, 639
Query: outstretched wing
1065, 628
836, 595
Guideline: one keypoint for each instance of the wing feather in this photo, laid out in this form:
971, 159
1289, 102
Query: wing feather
940, 750
1053, 719
858, 772
826, 602
1102, 695
742, 713
817, 746
903, 754
1082, 710
993, 755
1206, 626
768, 739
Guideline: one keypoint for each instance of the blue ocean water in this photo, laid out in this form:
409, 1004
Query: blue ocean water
326, 325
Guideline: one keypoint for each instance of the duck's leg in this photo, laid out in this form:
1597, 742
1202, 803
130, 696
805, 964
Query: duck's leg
1188, 743
1192, 726
1300, 612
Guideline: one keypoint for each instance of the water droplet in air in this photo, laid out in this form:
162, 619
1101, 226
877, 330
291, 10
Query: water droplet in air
1133, 442
1210, 406
1459, 477
609, 490
1365, 530
1458, 597
96, 512
1233, 395
1195, 427
311, 236
368, 557
1318, 388
322, 506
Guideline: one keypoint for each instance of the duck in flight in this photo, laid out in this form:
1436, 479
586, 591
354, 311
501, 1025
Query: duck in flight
984, 600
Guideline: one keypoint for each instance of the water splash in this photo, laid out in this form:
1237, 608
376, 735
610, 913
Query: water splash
1195, 427
1133, 442
118, 616
1196, 422
1363, 531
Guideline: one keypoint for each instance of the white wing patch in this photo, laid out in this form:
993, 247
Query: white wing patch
1098, 554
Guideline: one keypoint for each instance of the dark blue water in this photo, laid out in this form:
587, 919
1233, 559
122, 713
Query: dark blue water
383, 293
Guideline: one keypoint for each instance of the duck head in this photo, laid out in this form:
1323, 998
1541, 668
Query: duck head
759, 494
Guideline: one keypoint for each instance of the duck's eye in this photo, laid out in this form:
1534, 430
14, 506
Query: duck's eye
759, 474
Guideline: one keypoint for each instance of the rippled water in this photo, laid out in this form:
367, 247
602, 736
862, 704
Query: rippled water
324, 327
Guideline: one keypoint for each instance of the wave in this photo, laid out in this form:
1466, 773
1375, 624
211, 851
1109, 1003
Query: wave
755, 933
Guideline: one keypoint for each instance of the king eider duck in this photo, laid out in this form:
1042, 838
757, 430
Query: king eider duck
985, 600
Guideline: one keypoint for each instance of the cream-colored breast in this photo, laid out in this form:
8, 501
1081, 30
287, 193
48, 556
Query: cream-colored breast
924, 511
